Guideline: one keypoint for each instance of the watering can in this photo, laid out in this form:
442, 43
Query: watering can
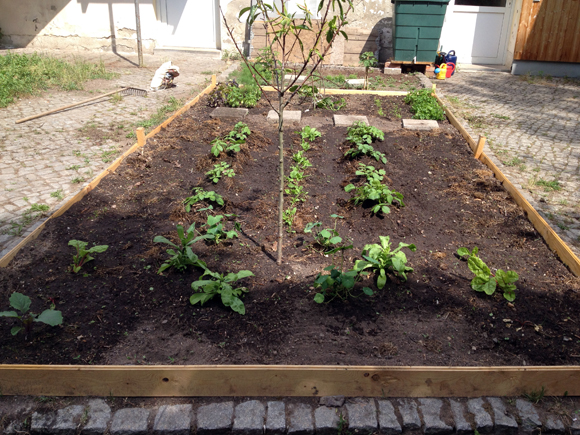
451, 57
450, 69
442, 71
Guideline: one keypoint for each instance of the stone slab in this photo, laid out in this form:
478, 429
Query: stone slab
431, 410
326, 420
462, 426
99, 415
409, 414
348, 120
289, 116
229, 112
333, 401
215, 418
530, 420
362, 415
388, 422
483, 421
173, 420
505, 424
553, 425
301, 422
276, 418
420, 124
249, 418
392, 71
130, 421
355, 82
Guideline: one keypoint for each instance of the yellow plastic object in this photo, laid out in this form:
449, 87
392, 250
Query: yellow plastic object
442, 72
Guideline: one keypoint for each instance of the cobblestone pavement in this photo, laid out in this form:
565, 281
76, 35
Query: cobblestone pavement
328, 415
45, 161
532, 125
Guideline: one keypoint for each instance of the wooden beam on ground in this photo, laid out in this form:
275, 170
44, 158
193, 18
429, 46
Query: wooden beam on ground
4, 261
270, 381
479, 147
348, 92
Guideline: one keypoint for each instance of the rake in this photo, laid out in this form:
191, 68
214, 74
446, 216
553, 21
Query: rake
124, 91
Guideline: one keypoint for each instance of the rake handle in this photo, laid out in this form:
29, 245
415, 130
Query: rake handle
69, 106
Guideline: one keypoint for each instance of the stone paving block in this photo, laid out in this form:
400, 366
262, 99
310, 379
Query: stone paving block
301, 422
389, 70
348, 120
483, 421
173, 420
408, 410
420, 124
289, 116
335, 401
229, 112
130, 421
388, 422
276, 418
356, 82
504, 424
326, 420
530, 420
41, 423
362, 415
553, 425
431, 410
99, 415
575, 427
249, 418
215, 418
462, 426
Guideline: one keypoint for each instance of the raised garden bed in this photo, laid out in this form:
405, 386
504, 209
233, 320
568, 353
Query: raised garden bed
122, 312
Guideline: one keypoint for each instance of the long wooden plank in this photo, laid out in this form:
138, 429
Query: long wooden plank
4, 261
304, 381
348, 92
523, 29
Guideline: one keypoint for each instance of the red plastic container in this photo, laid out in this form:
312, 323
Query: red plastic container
450, 69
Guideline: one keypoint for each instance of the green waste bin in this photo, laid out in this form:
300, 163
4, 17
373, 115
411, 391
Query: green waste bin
417, 29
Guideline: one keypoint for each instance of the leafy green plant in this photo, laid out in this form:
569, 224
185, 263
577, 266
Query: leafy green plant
182, 256
365, 149
301, 160
21, 302
485, 280
219, 146
309, 133
220, 169
199, 194
221, 285
240, 132
549, 185
535, 396
296, 191
330, 104
288, 217
370, 173
381, 259
328, 239
424, 105
337, 284
362, 136
83, 255
368, 60
215, 230
374, 190
379, 107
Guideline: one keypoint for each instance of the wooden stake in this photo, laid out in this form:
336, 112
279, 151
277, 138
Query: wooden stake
479, 149
141, 141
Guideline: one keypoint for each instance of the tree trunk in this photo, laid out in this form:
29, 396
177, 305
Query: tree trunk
281, 167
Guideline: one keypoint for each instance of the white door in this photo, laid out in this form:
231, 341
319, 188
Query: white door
188, 23
477, 30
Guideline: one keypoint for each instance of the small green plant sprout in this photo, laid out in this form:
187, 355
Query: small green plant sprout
424, 105
202, 195
337, 284
368, 60
362, 136
370, 173
382, 259
240, 133
182, 256
376, 192
301, 160
220, 169
309, 134
288, 217
484, 280
83, 255
328, 239
222, 285
219, 146
215, 229
535, 396
21, 302
329, 104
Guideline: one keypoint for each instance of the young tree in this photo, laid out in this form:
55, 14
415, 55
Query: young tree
286, 46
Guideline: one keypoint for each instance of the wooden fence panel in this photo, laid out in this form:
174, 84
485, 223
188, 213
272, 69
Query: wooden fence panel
549, 30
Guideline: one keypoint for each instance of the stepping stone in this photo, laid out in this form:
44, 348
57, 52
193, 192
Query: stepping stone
392, 71
420, 124
347, 120
356, 82
229, 112
289, 116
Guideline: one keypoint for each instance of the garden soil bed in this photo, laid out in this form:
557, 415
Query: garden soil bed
118, 310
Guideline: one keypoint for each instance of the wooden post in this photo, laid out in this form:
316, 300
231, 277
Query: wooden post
139, 43
141, 141
479, 148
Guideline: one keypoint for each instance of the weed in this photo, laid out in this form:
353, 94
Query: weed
73, 168
498, 116
535, 396
424, 105
513, 162
78, 180
548, 186
116, 98
157, 118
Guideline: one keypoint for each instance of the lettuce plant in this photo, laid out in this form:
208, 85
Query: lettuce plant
484, 280
221, 285
83, 255
182, 256
21, 302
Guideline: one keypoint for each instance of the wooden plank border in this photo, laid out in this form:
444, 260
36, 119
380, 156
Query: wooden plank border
295, 381
349, 92
4, 261
550, 236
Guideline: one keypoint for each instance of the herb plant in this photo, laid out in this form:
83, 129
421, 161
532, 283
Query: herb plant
381, 259
182, 256
424, 105
83, 255
21, 302
220, 169
202, 195
374, 190
329, 104
221, 285
484, 280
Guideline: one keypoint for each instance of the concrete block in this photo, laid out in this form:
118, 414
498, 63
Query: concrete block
130, 421
249, 418
348, 120
276, 418
289, 116
173, 420
215, 418
504, 424
420, 124
229, 112
326, 420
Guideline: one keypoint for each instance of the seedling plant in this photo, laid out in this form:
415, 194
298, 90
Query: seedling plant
484, 280
215, 230
361, 136
377, 192
182, 256
199, 194
424, 105
21, 302
83, 255
221, 285
368, 60
220, 169
327, 239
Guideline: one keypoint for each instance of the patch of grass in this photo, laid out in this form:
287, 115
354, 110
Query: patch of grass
73, 168
116, 98
563, 227
535, 396
107, 156
78, 180
57, 194
157, 118
513, 162
29, 74
498, 116
549, 186
39, 208
207, 73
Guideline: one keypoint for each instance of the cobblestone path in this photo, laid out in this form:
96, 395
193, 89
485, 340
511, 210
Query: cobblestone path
45, 161
532, 125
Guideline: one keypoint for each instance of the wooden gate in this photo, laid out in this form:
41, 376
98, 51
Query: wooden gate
549, 30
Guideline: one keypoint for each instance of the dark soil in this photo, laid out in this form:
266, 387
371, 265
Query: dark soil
118, 310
